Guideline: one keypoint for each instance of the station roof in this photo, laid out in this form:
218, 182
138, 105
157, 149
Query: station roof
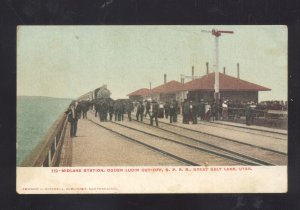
169, 87
227, 83
140, 92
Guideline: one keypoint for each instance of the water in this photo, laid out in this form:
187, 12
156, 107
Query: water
35, 115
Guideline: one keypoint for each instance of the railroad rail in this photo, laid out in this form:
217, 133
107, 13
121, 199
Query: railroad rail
277, 157
239, 125
246, 130
222, 151
182, 160
208, 148
274, 118
217, 136
47, 153
177, 157
213, 135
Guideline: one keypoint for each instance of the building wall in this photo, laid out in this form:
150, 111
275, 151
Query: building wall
198, 95
155, 96
167, 97
240, 95
231, 95
179, 96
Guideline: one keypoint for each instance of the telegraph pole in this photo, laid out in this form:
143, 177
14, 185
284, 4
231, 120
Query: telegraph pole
217, 33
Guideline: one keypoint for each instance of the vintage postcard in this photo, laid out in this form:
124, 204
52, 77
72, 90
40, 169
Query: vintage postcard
152, 109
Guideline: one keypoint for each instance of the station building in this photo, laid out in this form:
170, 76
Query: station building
139, 95
168, 91
232, 88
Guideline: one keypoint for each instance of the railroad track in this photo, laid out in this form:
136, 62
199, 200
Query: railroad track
249, 129
128, 137
173, 128
208, 153
250, 152
267, 133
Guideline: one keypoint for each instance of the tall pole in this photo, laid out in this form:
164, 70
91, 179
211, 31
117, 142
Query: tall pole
217, 68
150, 91
217, 33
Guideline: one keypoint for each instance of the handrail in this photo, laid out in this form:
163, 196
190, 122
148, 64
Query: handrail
47, 152
266, 114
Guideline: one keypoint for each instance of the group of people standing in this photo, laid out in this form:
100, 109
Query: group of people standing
121, 107
109, 108
104, 108
156, 110
150, 109
192, 111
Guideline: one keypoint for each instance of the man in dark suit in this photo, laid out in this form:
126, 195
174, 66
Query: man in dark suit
147, 109
201, 110
140, 111
194, 111
116, 110
177, 110
167, 109
248, 114
155, 110
172, 111
74, 113
185, 112
111, 110
129, 108
122, 109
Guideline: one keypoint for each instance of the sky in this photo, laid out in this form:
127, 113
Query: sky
69, 61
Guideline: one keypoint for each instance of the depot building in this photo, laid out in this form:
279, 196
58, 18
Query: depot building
140, 94
232, 88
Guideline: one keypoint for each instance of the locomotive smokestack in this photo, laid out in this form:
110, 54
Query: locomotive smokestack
238, 70
192, 72
224, 70
165, 78
207, 71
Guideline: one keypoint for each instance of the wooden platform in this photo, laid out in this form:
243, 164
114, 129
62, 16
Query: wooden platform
95, 146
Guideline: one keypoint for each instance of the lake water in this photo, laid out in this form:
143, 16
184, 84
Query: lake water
35, 115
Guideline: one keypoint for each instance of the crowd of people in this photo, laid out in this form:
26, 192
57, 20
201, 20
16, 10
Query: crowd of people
191, 111
108, 109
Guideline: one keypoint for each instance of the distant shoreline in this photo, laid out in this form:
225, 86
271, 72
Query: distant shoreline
49, 97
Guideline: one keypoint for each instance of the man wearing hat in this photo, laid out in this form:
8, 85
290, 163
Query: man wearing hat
155, 110
201, 109
172, 111
248, 114
129, 109
74, 113
148, 106
185, 112
140, 111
